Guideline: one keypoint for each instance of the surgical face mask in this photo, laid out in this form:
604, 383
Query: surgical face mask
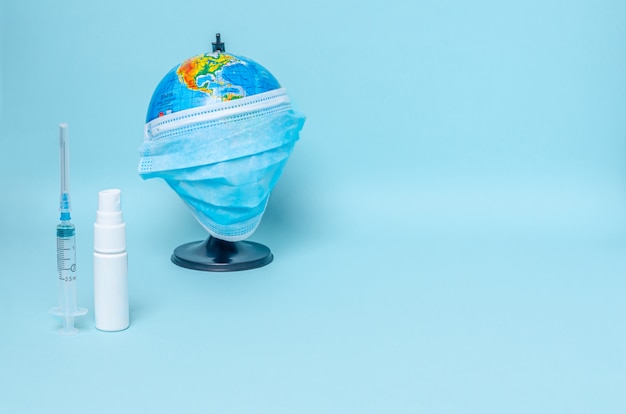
224, 160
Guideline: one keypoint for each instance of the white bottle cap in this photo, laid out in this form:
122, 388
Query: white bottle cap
109, 207
109, 229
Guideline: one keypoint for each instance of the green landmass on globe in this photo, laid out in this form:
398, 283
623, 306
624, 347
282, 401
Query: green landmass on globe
203, 73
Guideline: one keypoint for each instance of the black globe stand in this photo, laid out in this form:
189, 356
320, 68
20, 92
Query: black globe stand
215, 255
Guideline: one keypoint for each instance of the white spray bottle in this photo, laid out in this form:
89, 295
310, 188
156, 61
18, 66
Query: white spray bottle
110, 264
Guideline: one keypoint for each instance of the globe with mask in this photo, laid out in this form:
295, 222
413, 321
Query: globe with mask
219, 130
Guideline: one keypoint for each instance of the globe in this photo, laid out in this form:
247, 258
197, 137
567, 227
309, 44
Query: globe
208, 79
219, 130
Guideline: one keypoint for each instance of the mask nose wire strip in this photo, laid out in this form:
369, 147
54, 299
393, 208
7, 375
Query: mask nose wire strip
211, 112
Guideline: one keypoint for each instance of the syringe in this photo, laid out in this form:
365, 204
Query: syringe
66, 246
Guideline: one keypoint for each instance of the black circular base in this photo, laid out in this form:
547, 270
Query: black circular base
215, 255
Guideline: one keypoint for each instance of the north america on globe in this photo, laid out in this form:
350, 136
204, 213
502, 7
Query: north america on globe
204, 73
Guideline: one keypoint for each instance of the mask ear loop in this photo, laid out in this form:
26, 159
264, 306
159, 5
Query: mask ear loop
216, 255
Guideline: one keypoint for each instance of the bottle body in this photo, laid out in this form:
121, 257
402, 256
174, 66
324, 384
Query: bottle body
110, 273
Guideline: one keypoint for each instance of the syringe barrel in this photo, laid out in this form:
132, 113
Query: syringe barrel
66, 266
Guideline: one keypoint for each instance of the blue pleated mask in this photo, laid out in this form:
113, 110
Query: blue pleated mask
224, 160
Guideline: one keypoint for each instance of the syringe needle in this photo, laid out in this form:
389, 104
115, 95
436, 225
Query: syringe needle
64, 158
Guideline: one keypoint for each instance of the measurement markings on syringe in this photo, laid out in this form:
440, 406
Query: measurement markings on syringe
65, 260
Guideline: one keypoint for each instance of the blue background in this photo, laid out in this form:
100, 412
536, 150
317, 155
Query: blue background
449, 234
